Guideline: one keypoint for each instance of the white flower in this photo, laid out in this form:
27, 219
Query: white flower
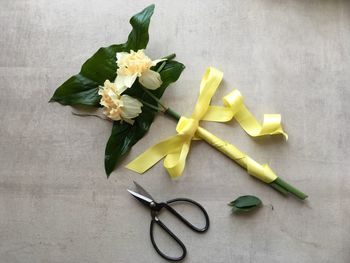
137, 64
118, 107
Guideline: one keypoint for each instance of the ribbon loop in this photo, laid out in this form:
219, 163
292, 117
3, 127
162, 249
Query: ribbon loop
233, 100
209, 84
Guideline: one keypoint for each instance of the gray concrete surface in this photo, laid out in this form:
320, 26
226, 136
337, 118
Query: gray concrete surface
291, 57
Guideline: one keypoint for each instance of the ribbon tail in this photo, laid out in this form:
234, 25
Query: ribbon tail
218, 114
235, 108
271, 124
175, 162
154, 154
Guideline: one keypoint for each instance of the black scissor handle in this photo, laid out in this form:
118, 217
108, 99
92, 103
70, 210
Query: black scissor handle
156, 220
184, 220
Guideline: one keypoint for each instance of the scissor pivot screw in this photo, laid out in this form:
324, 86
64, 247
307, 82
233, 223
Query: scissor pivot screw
153, 204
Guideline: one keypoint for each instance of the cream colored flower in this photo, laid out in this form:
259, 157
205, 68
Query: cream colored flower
137, 64
118, 107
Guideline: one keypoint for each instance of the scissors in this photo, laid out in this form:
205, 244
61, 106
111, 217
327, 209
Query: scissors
145, 198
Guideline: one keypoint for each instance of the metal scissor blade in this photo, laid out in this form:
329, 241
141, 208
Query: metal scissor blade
142, 191
143, 199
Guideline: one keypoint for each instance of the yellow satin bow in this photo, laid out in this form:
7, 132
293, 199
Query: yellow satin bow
176, 148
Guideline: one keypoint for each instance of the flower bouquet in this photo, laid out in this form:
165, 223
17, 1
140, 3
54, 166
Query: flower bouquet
127, 86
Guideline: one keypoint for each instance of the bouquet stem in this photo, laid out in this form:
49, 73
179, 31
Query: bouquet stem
173, 114
230, 151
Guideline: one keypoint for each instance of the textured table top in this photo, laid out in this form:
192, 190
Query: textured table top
288, 57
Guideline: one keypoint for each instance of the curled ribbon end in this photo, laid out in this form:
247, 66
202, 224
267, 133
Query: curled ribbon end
175, 176
280, 131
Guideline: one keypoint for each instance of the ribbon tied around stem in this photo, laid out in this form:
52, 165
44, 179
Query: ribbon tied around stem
175, 149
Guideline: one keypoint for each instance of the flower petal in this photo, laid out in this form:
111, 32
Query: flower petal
129, 121
121, 89
129, 80
121, 55
114, 97
124, 81
150, 80
119, 81
131, 107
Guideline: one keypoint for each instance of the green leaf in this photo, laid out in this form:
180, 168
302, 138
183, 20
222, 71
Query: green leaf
124, 135
82, 89
138, 37
245, 203
169, 74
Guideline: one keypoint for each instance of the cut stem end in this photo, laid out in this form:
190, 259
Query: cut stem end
285, 188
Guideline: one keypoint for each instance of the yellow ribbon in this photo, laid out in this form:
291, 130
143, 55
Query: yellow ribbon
176, 148
235, 108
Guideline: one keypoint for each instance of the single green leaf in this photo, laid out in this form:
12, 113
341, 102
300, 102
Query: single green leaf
245, 203
82, 88
169, 74
138, 37
124, 135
